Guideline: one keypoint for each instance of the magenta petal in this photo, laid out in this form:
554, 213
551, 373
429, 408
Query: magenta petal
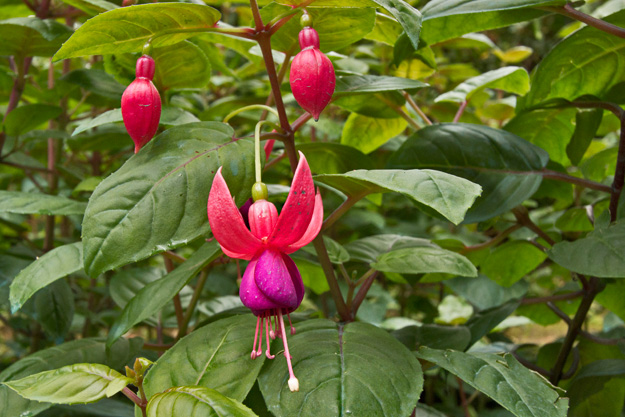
273, 278
297, 210
296, 277
227, 223
313, 228
250, 295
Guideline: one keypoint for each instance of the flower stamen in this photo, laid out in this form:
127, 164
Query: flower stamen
267, 352
291, 324
253, 354
293, 381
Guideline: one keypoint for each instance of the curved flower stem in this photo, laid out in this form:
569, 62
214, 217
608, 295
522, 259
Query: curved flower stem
416, 108
500, 237
250, 107
277, 22
619, 173
569, 11
135, 399
342, 209
196, 296
367, 279
258, 21
257, 162
558, 176
458, 115
522, 217
328, 269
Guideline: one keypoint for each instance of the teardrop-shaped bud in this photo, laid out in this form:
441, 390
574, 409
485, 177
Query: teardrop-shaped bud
312, 75
141, 104
263, 217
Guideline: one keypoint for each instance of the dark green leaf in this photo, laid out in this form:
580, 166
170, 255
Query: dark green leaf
28, 117
574, 220
587, 123
30, 36
96, 81
36, 203
80, 383
370, 248
54, 265
484, 293
447, 19
589, 62
195, 402
355, 369
77, 351
159, 195
504, 379
424, 260
216, 356
54, 309
434, 336
127, 29
486, 320
497, 160
509, 79
449, 195
598, 254
155, 295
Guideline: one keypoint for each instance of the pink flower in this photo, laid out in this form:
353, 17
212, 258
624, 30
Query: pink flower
272, 285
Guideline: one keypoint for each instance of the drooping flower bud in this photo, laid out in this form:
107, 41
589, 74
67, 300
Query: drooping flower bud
312, 74
141, 104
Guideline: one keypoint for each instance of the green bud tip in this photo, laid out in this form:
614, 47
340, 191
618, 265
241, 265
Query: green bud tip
305, 20
259, 191
147, 48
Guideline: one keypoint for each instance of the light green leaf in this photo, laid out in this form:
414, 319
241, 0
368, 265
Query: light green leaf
216, 356
360, 84
447, 19
449, 195
355, 369
28, 117
421, 260
312, 275
333, 158
337, 27
386, 30
510, 262
92, 7
77, 351
127, 29
36, 203
30, 36
587, 122
589, 62
509, 79
368, 249
156, 294
519, 390
409, 18
183, 65
54, 265
598, 254
159, 195
367, 133
80, 383
502, 163
195, 402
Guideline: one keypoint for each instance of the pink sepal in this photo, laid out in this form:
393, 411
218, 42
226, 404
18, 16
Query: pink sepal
298, 209
313, 227
227, 223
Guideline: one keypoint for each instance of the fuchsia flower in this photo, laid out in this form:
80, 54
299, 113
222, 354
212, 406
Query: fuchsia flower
272, 285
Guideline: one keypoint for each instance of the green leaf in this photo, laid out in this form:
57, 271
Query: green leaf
183, 65
367, 133
333, 158
551, 129
54, 309
337, 27
92, 7
30, 36
511, 261
127, 29
370, 248
336, 252
28, 117
421, 260
497, 160
447, 19
195, 402
386, 30
434, 336
587, 122
519, 390
409, 18
97, 82
156, 294
355, 369
159, 195
312, 275
377, 105
80, 383
589, 62
54, 265
509, 79
110, 116
77, 351
483, 293
486, 320
127, 283
36, 203
361, 84
449, 195
598, 254
216, 356
574, 220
